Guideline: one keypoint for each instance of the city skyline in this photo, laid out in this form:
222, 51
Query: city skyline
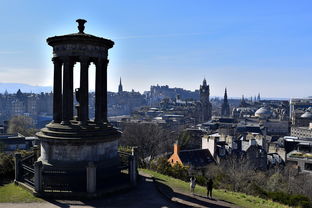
12, 88
247, 47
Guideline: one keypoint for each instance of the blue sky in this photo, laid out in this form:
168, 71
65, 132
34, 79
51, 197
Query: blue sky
246, 46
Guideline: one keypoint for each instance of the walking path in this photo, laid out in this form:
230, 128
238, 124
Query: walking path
190, 200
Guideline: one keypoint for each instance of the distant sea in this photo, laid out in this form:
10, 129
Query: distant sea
14, 87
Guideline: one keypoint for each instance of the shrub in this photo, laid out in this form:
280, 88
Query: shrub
284, 198
299, 200
6, 166
260, 191
201, 180
179, 171
161, 165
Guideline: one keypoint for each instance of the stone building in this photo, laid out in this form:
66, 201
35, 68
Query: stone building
301, 131
256, 157
18, 107
216, 144
302, 117
158, 93
249, 147
124, 103
298, 104
299, 154
32, 105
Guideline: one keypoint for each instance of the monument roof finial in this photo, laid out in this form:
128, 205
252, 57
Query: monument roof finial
81, 26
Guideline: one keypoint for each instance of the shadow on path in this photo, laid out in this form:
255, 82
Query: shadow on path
143, 195
190, 200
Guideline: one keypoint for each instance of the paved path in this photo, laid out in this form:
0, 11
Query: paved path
144, 196
190, 200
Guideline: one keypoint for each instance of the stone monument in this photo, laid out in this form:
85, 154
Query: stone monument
77, 154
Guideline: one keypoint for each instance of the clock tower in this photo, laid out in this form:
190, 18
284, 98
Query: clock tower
205, 112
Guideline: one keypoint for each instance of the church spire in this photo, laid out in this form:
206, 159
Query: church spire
225, 95
225, 108
120, 86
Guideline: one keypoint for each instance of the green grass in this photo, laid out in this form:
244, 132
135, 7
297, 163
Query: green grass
240, 199
14, 194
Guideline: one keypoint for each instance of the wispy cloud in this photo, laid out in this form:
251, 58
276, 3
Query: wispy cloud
173, 35
31, 76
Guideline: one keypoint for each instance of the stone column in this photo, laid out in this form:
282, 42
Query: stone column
71, 85
67, 104
99, 91
38, 177
91, 177
36, 151
18, 158
104, 86
57, 91
84, 89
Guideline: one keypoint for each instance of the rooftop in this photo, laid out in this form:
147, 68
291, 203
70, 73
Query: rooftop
196, 157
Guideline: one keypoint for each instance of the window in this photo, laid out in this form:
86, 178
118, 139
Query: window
308, 166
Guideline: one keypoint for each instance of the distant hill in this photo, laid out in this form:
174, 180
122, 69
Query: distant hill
13, 88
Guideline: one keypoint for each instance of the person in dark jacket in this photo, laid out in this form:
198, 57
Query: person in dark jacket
192, 184
209, 188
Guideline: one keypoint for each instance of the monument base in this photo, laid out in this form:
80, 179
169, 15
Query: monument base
76, 158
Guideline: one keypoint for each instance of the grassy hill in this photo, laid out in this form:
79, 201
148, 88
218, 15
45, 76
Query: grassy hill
239, 199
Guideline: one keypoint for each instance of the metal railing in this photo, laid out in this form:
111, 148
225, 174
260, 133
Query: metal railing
26, 170
43, 179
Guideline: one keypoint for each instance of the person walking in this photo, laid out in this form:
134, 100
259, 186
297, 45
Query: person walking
209, 188
192, 184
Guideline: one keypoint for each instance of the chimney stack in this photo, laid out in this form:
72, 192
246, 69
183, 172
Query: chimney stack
176, 148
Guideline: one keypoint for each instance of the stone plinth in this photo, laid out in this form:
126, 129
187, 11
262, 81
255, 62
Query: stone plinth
77, 151
68, 150
78, 144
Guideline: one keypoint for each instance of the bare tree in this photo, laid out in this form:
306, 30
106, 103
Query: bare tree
150, 139
301, 184
21, 124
